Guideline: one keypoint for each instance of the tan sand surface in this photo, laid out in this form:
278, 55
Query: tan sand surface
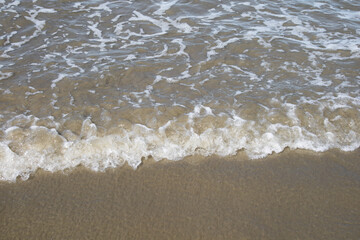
292, 195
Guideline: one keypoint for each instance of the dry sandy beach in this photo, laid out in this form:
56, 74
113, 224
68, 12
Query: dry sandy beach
292, 195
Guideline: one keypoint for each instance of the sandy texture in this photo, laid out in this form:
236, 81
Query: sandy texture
293, 195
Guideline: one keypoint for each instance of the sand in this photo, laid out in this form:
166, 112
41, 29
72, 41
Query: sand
292, 195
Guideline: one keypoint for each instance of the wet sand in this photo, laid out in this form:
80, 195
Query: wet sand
292, 195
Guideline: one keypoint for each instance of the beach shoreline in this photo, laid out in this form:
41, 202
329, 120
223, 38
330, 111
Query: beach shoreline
292, 195
95, 95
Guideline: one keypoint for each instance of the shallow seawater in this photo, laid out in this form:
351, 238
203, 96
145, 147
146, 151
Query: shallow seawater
103, 83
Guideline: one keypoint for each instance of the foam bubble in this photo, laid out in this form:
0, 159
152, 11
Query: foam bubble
164, 6
26, 148
60, 77
5, 75
141, 17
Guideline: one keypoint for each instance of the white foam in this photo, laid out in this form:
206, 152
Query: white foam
119, 28
162, 53
45, 10
198, 112
103, 7
33, 93
141, 17
350, 44
60, 77
5, 75
95, 30
77, 5
8, 37
347, 14
12, 4
130, 57
182, 47
184, 27
319, 4
39, 25
45, 148
164, 6
227, 7
220, 45
95, 14
99, 37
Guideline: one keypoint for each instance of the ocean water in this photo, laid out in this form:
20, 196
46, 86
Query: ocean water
103, 83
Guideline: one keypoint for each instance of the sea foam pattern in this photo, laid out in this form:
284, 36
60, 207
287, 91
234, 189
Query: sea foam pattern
103, 83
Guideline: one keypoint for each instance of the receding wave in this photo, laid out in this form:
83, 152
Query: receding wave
102, 84
53, 147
